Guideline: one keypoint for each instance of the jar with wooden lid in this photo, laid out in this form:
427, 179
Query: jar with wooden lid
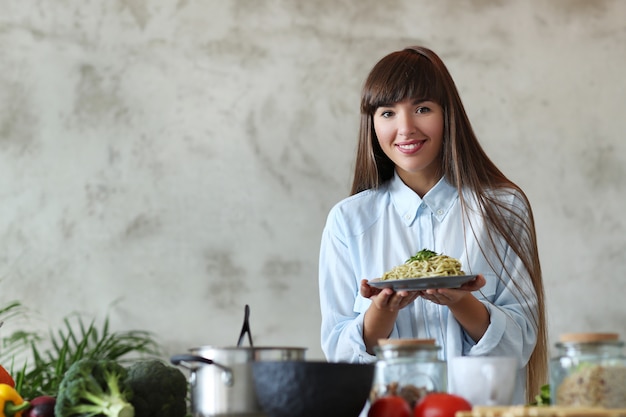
589, 370
410, 368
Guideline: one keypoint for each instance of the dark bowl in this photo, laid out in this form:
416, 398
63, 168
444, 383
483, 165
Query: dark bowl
312, 389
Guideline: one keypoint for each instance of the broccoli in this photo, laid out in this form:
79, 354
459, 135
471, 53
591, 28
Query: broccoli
159, 390
94, 387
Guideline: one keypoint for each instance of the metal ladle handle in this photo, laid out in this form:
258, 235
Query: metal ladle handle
185, 360
246, 327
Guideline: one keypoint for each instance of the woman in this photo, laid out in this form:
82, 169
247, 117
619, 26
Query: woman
422, 180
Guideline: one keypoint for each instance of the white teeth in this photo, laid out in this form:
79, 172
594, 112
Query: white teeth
408, 147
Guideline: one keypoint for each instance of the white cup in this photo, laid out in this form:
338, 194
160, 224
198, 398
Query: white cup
483, 380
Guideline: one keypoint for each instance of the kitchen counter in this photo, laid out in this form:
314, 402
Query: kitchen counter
547, 411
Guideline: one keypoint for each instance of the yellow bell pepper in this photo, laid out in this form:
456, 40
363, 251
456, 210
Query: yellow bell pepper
11, 403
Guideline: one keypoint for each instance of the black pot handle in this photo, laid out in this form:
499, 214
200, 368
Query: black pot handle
185, 359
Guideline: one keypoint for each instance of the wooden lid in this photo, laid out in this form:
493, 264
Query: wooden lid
588, 337
406, 342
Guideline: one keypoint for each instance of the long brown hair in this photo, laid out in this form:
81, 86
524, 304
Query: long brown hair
418, 73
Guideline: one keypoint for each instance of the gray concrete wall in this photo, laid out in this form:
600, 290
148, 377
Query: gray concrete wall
167, 162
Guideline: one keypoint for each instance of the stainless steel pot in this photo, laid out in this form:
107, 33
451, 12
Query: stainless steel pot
221, 381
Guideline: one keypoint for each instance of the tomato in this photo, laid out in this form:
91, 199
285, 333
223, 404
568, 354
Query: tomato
438, 404
390, 406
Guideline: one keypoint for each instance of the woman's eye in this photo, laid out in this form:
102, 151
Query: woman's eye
386, 114
422, 110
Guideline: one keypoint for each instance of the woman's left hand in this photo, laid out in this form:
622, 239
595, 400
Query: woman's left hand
450, 296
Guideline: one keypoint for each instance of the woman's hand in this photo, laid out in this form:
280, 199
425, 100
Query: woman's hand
386, 299
382, 313
451, 296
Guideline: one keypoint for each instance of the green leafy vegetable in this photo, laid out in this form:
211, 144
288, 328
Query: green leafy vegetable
422, 255
159, 390
43, 368
543, 398
93, 387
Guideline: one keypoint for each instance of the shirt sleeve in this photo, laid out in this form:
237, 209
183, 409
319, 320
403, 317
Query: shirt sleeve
512, 330
512, 302
342, 308
509, 295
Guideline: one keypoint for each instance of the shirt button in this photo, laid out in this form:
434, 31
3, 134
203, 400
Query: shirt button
439, 212
407, 216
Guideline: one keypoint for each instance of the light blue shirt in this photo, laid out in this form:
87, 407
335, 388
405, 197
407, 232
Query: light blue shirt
368, 233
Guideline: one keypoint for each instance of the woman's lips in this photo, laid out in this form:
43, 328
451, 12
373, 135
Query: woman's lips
410, 147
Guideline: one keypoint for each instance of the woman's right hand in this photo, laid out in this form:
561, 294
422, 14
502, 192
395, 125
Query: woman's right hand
382, 313
386, 299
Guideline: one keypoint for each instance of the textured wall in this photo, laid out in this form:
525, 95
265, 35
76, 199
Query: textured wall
167, 162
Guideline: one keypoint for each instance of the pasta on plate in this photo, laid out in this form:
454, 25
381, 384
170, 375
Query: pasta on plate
425, 263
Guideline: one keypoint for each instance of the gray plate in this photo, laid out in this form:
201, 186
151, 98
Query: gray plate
425, 283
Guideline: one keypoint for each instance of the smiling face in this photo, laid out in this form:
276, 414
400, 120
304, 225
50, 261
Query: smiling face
410, 133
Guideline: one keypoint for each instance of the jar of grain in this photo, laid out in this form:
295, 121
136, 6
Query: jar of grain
410, 368
589, 370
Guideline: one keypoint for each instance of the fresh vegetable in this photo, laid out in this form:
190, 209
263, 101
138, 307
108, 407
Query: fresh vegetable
159, 390
543, 398
11, 403
390, 406
439, 404
94, 387
42, 406
422, 255
6, 378
39, 371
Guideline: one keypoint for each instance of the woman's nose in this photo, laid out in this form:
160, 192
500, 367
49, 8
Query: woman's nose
406, 127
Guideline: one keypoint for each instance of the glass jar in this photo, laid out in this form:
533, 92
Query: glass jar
410, 368
589, 370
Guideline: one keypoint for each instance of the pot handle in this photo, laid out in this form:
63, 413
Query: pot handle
185, 359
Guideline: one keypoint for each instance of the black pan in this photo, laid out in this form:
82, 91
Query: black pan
312, 389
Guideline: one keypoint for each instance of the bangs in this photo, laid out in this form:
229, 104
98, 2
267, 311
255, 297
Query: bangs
399, 76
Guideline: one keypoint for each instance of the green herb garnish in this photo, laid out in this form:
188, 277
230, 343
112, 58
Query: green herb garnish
422, 255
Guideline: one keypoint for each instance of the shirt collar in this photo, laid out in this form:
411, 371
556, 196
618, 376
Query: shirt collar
439, 199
